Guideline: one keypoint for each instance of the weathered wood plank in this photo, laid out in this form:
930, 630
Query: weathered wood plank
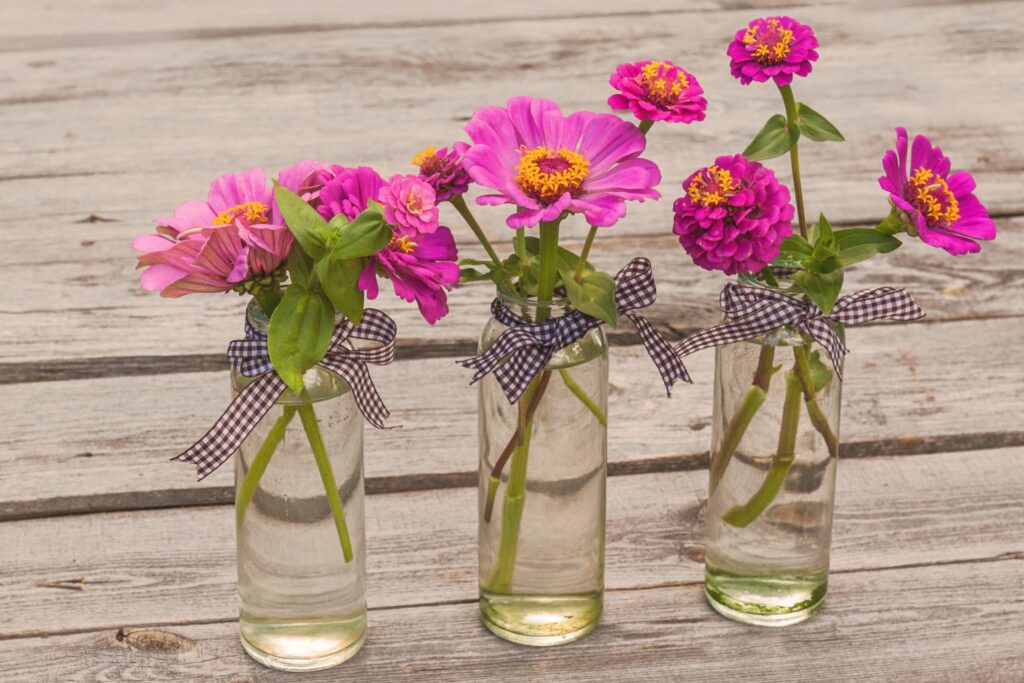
100, 104
895, 625
92, 307
69, 445
174, 566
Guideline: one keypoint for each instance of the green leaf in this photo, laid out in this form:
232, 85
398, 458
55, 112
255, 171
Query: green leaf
774, 140
299, 265
474, 275
859, 244
306, 224
821, 374
340, 282
364, 236
822, 288
594, 294
300, 332
815, 126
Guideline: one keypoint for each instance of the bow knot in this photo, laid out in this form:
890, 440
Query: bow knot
251, 357
522, 351
754, 311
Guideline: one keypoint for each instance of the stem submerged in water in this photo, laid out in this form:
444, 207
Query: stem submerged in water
743, 515
323, 464
259, 465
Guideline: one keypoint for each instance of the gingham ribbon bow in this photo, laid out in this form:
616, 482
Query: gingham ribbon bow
252, 358
753, 311
529, 346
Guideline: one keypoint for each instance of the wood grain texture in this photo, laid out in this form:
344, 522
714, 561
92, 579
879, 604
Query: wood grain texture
110, 439
177, 565
909, 624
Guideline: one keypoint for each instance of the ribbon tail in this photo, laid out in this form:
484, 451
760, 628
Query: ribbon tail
522, 367
669, 365
368, 399
823, 333
233, 426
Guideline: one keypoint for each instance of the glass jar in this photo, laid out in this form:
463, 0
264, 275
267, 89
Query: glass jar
543, 471
775, 435
300, 525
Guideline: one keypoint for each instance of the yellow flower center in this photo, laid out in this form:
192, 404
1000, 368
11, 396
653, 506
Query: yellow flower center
711, 187
771, 41
546, 175
662, 82
251, 212
932, 197
402, 244
424, 156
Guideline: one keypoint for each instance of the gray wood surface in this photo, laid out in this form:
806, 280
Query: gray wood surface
115, 565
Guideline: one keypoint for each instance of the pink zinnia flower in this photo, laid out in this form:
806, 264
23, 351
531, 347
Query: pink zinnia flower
442, 169
546, 163
734, 216
410, 204
657, 91
772, 47
940, 206
214, 245
421, 266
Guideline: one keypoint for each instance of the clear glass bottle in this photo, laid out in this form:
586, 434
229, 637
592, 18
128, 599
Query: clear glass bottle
303, 606
772, 479
542, 519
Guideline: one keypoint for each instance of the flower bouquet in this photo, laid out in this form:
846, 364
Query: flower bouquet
308, 251
543, 356
779, 359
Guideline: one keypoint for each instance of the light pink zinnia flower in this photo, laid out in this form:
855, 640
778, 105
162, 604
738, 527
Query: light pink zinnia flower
214, 245
442, 168
941, 206
772, 47
657, 91
409, 204
546, 163
733, 216
421, 266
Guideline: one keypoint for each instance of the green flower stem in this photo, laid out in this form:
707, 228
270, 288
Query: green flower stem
794, 155
323, 463
740, 420
459, 202
814, 411
646, 126
512, 512
578, 392
515, 492
534, 393
743, 515
582, 263
548, 268
259, 465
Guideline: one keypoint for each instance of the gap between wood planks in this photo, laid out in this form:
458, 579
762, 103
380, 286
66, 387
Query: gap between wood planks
1015, 556
60, 370
375, 486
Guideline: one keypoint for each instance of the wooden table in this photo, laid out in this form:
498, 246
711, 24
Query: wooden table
114, 564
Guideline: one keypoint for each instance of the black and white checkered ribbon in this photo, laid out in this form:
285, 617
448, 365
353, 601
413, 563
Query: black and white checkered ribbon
753, 311
252, 358
529, 346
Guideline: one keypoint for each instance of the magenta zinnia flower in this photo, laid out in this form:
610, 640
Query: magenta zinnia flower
442, 168
546, 163
421, 266
772, 47
657, 91
214, 245
734, 216
409, 204
940, 206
